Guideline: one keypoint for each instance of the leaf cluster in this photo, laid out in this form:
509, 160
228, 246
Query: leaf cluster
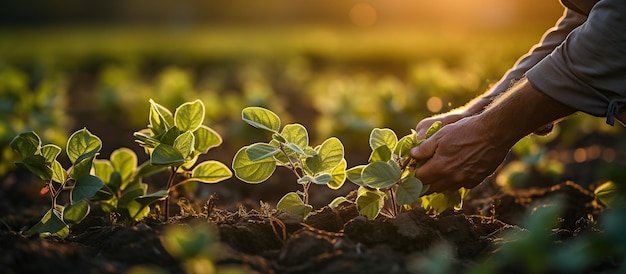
41, 160
321, 165
388, 181
176, 140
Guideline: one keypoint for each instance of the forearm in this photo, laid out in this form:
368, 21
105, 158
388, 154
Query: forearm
519, 112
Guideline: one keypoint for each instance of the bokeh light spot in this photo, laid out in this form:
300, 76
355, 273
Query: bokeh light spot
434, 104
580, 155
363, 15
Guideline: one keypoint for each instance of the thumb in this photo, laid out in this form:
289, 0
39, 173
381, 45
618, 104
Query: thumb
426, 150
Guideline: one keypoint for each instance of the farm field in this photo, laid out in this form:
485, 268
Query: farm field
538, 213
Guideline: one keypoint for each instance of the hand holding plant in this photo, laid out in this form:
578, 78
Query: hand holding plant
388, 184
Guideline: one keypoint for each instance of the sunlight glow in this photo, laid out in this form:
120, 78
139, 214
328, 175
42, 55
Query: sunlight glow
434, 104
363, 15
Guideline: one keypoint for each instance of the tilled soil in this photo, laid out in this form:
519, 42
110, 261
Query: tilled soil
263, 240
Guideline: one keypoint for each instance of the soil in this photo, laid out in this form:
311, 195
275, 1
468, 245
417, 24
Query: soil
263, 240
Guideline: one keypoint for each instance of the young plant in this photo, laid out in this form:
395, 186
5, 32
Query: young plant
123, 191
388, 181
175, 141
197, 246
289, 147
41, 160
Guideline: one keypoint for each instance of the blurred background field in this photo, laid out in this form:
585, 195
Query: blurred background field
340, 68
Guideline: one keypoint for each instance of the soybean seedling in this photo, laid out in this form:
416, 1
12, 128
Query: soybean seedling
41, 160
387, 184
289, 147
174, 141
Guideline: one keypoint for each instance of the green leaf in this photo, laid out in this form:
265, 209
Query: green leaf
103, 169
337, 201
184, 143
146, 169
405, 144
260, 151
354, 175
131, 193
135, 211
187, 243
85, 187
124, 161
292, 203
26, 144
82, 167
146, 140
381, 153
261, 118
82, 144
296, 134
380, 174
50, 152
608, 194
51, 224
383, 137
75, 213
210, 172
409, 191
161, 118
278, 138
339, 175
146, 200
329, 155
166, 155
299, 150
206, 138
252, 172
436, 126
36, 164
369, 203
170, 136
189, 116
321, 179
440, 201
58, 173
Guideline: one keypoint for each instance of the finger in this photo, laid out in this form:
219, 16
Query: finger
421, 129
425, 150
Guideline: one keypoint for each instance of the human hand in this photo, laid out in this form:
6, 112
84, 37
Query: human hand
461, 154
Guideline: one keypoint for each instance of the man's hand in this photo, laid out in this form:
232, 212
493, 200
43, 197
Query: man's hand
464, 153
461, 154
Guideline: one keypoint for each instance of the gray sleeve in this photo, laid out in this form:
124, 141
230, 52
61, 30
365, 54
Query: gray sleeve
550, 40
588, 70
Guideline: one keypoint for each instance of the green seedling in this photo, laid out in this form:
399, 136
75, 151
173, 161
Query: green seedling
41, 160
387, 184
289, 147
123, 191
197, 247
175, 141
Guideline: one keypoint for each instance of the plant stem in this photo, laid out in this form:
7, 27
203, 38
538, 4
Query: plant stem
292, 165
394, 205
170, 181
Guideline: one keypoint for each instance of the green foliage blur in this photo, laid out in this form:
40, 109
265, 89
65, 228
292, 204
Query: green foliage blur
312, 63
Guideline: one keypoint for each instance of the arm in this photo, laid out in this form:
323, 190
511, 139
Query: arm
588, 71
463, 154
550, 40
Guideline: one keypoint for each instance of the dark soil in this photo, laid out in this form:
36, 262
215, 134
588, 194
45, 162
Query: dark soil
263, 240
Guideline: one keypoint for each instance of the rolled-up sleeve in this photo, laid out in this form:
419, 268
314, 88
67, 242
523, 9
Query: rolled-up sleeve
588, 70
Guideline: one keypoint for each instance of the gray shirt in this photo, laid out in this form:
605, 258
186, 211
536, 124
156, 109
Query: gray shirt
580, 62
